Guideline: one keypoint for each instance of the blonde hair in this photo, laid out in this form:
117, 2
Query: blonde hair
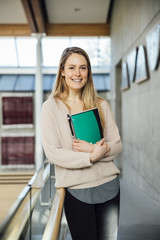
88, 93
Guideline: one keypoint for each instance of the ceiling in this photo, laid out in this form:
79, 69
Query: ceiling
55, 17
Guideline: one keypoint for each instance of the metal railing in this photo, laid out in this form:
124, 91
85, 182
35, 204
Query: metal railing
13, 224
53, 225
19, 221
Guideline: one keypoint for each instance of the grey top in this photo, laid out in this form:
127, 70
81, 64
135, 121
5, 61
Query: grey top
99, 194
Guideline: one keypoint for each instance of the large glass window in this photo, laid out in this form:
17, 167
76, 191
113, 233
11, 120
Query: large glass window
21, 51
26, 51
52, 49
90, 45
8, 54
104, 52
98, 49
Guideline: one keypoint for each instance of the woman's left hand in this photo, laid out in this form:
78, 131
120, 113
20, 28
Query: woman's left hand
82, 146
102, 142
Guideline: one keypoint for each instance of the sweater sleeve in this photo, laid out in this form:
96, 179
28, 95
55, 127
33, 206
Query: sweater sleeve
111, 134
57, 155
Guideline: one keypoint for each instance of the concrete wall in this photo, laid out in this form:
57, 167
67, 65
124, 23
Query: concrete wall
137, 110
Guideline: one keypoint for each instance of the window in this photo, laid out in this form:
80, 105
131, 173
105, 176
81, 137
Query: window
17, 150
8, 55
98, 49
17, 110
26, 51
21, 51
52, 48
90, 45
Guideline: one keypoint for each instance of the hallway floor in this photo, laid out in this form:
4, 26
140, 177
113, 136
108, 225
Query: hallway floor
139, 215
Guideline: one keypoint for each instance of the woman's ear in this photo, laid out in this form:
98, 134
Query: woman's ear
62, 72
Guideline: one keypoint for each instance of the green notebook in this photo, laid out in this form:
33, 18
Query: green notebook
86, 125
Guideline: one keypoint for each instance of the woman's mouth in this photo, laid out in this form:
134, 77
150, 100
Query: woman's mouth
76, 80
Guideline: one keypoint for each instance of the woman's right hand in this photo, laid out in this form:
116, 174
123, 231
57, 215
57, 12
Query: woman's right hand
101, 149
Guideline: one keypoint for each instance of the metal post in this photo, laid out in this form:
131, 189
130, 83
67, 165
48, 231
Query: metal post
38, 104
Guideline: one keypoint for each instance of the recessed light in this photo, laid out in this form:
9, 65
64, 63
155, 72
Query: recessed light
77, 9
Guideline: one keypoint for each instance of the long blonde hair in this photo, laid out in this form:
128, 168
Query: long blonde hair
88, 93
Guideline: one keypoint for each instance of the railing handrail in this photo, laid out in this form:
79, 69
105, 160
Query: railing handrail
37, 172
53, 224
21, 198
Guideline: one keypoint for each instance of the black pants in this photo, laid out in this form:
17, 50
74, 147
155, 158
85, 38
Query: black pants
92, 221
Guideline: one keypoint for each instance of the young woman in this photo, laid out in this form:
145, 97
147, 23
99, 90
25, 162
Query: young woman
87, 171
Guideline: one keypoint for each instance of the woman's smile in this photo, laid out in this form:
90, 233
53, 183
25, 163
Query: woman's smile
77, 80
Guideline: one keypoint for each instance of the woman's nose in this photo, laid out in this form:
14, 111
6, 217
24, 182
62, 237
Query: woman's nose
77, 72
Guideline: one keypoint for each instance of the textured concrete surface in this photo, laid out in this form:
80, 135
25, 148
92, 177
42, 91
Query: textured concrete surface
136, 110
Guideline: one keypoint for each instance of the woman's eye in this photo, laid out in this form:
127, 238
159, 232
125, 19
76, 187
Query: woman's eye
83, 68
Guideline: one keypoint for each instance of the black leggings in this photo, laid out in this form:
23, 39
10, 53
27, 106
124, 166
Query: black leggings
92, 221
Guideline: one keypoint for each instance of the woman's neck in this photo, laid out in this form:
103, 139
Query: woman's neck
75, 102
74, 96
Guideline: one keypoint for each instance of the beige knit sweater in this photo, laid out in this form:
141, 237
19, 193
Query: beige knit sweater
74, 169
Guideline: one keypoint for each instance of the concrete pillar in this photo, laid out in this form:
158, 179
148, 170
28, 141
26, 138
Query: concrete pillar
38, 104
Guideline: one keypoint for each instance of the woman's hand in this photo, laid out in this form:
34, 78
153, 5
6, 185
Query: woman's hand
101, 149
82, 146
108, 148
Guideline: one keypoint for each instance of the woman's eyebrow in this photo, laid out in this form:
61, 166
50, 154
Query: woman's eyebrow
75, 65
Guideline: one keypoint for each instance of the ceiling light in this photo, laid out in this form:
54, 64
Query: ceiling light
77, 9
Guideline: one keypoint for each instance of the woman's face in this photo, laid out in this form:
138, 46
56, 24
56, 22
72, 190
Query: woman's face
75, 71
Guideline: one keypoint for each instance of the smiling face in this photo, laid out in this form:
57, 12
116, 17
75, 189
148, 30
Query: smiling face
75, 71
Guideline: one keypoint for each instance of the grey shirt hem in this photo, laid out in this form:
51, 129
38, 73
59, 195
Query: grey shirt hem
99, 194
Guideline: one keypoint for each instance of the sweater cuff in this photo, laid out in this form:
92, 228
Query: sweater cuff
89, 160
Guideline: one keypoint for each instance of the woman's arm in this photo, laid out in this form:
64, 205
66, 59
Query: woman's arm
97, 151
52, 147
111, 134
